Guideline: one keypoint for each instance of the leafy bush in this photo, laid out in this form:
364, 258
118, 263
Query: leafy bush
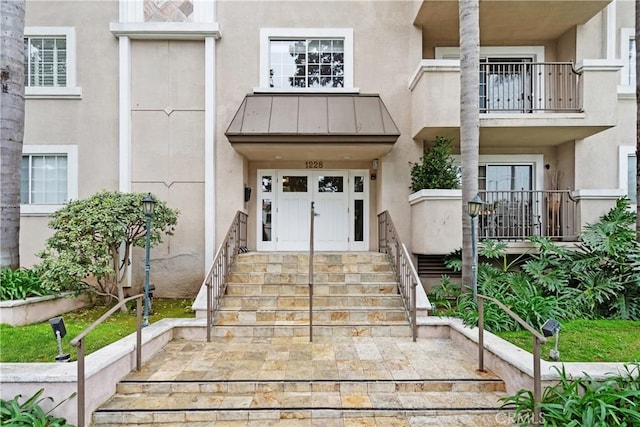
584, 401
88, 237
30, 413
21, 284
437, 169
600, 278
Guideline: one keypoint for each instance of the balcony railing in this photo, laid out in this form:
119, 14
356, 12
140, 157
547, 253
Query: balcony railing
528, 87
517, 215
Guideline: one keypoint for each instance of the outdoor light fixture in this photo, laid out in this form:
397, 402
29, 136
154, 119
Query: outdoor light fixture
59, 331
550, 328
473, 208
148, 207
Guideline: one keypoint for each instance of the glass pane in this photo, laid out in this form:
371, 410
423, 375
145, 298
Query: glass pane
358, 184
24, 181
294, 184
358, 220
330, 184
631, 78
266, 220
632, 179
266, 184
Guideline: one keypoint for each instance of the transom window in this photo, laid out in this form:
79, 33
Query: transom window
306, 59
49, 177
304, 63
45, 61
49, 62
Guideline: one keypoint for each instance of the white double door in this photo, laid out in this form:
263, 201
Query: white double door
339, 200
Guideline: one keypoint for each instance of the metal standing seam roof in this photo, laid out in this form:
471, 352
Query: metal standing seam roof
312, 118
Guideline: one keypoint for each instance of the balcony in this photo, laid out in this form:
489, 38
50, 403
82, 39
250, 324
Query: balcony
517, 215
523, 103
527, 87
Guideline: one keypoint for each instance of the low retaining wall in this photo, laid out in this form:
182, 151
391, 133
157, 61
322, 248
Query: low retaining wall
508, 361
38, 309
104, 368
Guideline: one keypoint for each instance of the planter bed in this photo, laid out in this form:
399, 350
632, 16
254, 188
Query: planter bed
38, 309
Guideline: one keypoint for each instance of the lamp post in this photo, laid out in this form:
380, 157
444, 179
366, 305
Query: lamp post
473, 208
148, 207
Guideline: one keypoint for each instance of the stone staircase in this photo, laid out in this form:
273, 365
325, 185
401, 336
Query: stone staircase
354, 294
260, 369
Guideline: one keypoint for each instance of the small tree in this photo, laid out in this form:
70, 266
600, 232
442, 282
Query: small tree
437, 169
93, 239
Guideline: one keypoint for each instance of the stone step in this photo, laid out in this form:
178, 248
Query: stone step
490, 417
247, 266
271, 302
388, 329
243, 387
320, 314
319, 258
303, 278
158, 402
319, 289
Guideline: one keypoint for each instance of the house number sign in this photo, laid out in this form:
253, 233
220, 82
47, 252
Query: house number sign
314, 164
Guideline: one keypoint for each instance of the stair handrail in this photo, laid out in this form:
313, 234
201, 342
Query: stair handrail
311, 237
216, 278
538, 339
405, 271
78, 342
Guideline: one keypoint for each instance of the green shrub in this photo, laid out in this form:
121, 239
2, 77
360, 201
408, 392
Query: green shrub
21, 284
30, 413
437, 169
584, 401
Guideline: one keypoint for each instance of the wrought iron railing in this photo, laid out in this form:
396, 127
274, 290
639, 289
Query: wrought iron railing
517, 215
216, 278
78, 341
538, 339
405, 271
527, 87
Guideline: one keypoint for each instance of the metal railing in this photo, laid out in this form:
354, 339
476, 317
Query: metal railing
527, 87
216, 278
538, 339
519, 214
78, 341
311, 237
406, 273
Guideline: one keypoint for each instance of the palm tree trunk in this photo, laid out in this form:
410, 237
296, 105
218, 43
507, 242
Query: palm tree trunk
12, 14
469, 120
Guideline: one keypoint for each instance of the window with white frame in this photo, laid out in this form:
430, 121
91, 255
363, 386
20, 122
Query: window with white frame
49, 177
628, 178
306, 59
49, 62
628, 56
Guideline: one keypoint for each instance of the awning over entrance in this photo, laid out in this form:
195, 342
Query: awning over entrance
309, 124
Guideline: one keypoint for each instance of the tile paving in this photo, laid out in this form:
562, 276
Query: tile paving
295, 382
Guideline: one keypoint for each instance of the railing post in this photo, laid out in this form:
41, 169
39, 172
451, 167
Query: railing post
138, 334
81, 385
537, 386
209, 285
480, 333
311, 236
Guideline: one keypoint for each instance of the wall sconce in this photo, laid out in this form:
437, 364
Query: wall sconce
247, 194
59, 331
550, 328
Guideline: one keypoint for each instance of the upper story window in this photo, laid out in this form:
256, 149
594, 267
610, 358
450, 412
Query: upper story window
49, 62
627, 165
306, 59
628, 56
49, 177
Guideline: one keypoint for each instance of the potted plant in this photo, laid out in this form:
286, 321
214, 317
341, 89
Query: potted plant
436, 210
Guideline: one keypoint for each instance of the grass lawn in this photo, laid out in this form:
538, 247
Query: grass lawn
588, 341
36, 343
